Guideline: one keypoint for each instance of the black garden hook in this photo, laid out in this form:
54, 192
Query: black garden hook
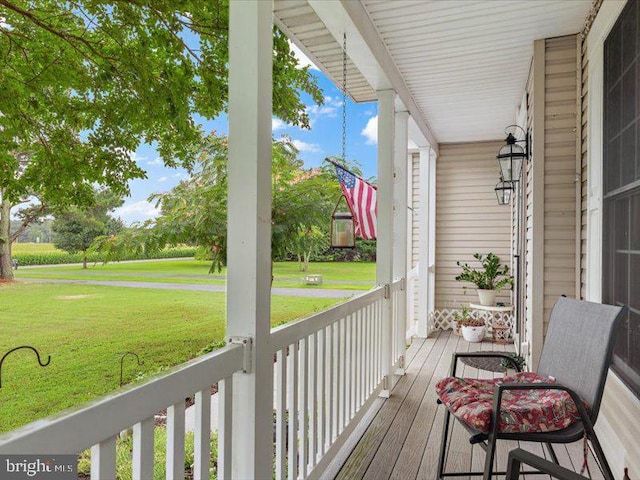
18, 348
122, 363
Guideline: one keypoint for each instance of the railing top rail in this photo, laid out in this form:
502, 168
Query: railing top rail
73, 431
285, 335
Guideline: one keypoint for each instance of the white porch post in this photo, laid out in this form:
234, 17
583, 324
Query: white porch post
424, 236
431, 304
384, 250
400, 222
249, 232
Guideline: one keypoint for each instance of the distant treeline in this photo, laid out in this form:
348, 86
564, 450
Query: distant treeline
38, 232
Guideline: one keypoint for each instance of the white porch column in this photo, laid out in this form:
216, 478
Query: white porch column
431, 303
424, 236
384, 250
400, 222
249, 232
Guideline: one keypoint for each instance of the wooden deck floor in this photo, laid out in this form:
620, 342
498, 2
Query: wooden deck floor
402, 442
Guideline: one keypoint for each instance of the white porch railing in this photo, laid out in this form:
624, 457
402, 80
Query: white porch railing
327, 367
97, 426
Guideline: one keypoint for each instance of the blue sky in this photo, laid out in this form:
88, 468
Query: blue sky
324, 139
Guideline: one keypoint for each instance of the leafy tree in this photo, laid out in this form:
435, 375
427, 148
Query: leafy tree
38, 231
195, 211
312, 241
85, 82
76, 228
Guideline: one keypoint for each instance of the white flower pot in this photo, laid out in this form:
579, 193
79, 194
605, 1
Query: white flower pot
487, 297
473, 334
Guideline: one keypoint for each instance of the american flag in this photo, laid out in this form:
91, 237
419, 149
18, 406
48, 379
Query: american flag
361, 197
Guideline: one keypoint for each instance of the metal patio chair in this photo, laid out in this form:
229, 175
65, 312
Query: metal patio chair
577, 354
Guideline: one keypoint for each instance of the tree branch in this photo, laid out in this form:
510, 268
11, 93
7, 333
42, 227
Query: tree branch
32, 214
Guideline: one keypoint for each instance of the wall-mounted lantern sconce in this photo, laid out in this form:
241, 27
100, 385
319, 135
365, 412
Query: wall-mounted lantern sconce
512, 156
504, 192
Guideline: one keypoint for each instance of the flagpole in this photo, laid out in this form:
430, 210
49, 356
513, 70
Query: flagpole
336, 164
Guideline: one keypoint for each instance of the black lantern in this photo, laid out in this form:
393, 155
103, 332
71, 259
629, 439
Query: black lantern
343, 233
511, 157
504, 192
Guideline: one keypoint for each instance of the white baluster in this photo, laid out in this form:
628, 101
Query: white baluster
292, 402
202, 435
103, 460
303, 420
175, 441
143, 449
313, 400
281, 415
225, 412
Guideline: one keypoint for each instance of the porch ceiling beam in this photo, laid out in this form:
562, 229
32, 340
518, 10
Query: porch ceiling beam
368, 52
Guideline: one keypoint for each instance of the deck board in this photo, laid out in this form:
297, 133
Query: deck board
403, 440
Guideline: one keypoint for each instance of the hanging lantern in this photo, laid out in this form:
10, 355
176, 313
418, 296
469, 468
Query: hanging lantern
342, 228
511, 156
504, 191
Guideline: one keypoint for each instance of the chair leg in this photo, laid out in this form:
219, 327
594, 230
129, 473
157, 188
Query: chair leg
602, 460
552, 454
443, 444
491, 452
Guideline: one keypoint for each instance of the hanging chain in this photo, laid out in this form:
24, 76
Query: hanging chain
344, 97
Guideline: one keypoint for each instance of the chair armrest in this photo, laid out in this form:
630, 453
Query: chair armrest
497, 399
457, 355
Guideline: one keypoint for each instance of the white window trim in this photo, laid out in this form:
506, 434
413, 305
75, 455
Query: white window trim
618, 438
607, 16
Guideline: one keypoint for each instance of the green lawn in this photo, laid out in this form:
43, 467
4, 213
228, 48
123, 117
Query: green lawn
286, 274
86, 329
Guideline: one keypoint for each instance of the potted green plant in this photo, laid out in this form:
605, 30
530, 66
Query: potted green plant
472, 329
509, 366
489, 279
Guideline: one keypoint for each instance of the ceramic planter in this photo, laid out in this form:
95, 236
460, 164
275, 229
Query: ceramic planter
472, 334
487, 297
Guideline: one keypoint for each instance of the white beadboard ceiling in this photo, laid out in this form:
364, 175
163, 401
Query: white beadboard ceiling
465, 62
300, 22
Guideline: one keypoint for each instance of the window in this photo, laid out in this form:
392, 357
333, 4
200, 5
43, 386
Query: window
621, 162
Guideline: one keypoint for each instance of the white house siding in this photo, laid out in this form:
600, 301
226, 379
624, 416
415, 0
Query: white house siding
619, 421
468, 218
560, 176
415, 205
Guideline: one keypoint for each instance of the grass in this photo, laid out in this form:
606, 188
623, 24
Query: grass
87, 328
124, 447
286, 274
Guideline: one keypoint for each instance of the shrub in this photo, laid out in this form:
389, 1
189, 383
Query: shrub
58, 258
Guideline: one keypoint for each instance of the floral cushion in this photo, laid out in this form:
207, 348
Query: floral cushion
523, 411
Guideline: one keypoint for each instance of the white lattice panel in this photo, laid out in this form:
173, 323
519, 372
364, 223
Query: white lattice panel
445, 320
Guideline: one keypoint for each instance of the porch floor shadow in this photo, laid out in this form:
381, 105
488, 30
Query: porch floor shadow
403, 440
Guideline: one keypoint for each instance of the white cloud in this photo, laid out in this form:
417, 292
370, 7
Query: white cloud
370, 131
306, 147
303, 60
277, 124
137, 211
163, 179
155, 161
329, 109
179, 175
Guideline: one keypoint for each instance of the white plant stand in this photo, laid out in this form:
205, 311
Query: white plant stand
490, 315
